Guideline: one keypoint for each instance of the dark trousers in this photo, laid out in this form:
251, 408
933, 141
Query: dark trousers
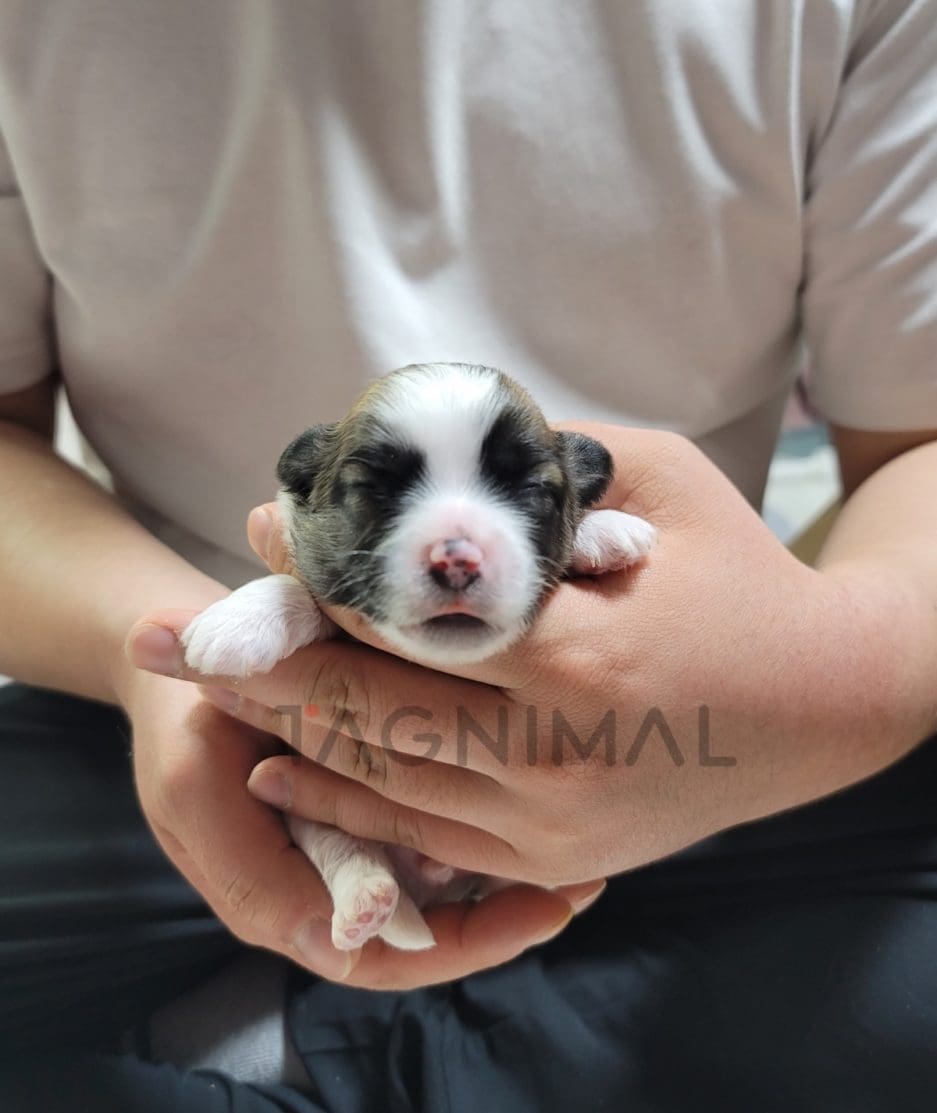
789, 965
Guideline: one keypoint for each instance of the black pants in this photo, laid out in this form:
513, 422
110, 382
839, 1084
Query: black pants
789, 965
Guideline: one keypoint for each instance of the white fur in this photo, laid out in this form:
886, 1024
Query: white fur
254, 627
446, 411
366, 898
503, 596
609, 540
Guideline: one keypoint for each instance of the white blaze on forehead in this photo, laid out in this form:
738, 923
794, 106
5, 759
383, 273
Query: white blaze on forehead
445, 411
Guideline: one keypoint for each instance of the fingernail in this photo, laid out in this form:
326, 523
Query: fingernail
314, 945
156, 649
259, 527
554, 931
270, 787
583, 903
222, 698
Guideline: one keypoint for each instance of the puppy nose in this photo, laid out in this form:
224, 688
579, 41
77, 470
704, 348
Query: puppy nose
455, 562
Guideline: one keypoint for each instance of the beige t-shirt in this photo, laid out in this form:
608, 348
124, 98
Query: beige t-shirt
219, 219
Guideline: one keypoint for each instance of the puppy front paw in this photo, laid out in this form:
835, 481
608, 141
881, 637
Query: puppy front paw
610, 540
254, 628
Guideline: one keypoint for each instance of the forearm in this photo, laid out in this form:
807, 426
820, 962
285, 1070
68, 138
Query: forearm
75, 572
884, 545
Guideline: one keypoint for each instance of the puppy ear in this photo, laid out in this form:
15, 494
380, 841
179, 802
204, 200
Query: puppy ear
588, 465
302, 460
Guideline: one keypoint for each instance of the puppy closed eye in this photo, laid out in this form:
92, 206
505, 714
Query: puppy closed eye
540, 491
381, 469
536, 478
522, 478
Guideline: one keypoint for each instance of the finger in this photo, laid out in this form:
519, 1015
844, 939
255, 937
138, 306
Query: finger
582, 897
266, 537
418, 782
371, 696
469, 937
237, 851
327, 675
314, 792
530, 672
489, 727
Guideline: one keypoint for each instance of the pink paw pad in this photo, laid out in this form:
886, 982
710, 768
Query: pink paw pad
362, 916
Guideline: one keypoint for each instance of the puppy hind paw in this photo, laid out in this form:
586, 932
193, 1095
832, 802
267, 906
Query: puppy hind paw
362, 911
406, 929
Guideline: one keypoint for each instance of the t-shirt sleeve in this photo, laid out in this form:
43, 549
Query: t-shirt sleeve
870, 291
26, 349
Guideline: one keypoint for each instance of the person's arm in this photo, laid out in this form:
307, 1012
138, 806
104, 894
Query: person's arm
886, 534
75, 569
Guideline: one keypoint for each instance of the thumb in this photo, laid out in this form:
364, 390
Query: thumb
265, 534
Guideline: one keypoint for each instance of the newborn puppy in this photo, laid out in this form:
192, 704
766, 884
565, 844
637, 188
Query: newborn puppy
442, 508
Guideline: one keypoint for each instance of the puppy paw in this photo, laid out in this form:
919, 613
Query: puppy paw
609, 540
362, 909
254, 628
406, 929
367, 899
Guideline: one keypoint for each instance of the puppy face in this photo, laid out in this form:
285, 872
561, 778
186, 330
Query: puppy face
441, 508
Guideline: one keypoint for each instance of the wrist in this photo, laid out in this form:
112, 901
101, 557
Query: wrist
844, 697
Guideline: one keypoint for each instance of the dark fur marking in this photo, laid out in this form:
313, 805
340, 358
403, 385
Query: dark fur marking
304, 457
588, 466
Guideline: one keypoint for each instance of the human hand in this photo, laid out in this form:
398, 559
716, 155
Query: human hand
192, 763
785, 663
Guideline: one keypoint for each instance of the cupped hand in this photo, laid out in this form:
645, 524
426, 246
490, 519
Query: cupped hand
720, 681
192, 763
191, 766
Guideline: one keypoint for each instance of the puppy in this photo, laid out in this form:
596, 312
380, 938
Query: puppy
442, 508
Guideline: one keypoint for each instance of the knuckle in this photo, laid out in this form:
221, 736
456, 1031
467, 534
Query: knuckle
407, 829
341, 690
238, 894
350, 758
326, 682
371, 766
363, 763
